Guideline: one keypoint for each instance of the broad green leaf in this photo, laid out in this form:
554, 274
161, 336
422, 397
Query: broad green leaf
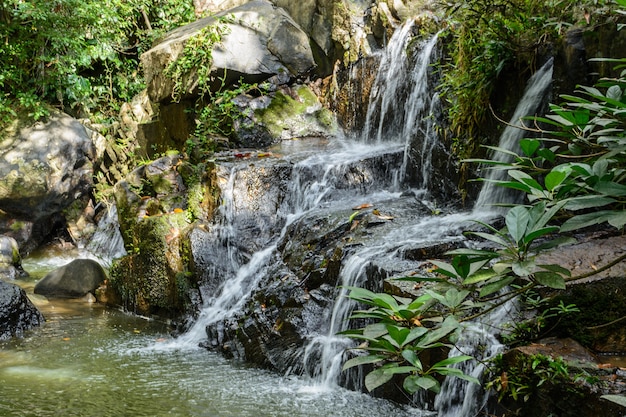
587, 201
413, 383
617, 219
385, 301
550, 279
496, 286
376, 378
444, 268
585, 220
610, 188
529, 146
461, 264
517, 222
454, 297
554, 179
480, 276
539, 233
411, 357
452, 361
415, 333
525, 179
556, 268
362, 360
397, 334
375, 330
523, 268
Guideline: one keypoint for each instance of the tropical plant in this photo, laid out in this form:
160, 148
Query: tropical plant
574, 176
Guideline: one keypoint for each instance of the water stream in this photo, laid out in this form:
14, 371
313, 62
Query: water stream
538, 87
91, 361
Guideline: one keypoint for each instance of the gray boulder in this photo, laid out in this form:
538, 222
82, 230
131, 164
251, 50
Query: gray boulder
261, 41
17, 313
45, 167
10, 259
76, 279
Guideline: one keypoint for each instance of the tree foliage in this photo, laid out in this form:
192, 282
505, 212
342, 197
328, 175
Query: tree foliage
81, 56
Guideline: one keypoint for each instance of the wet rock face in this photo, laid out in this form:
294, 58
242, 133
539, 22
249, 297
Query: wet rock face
17, 313
74, 280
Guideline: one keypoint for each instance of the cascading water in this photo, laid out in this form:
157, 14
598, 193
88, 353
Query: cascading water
107, 242
534, 96
337, 174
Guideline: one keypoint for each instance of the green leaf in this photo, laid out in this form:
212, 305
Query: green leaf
554, 179
617, 219
481, 276
550, 279
397, 334
375, 330
452, 361
585, 220
523, 268
411, 357
413, 383
517, 221
557, 269
610, 188
539, 233
529, 146
496, 286
587, 201
362, 360
377, 378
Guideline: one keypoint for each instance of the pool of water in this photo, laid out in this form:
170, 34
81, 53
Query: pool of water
88, 360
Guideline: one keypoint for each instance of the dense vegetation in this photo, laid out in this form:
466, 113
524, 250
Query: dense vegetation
572, 172
79, 56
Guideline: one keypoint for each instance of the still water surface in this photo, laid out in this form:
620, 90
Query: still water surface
88, 360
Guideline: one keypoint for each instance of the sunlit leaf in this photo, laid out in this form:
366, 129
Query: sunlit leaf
554, 179
529, 146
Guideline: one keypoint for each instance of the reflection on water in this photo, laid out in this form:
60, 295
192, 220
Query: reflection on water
88, 360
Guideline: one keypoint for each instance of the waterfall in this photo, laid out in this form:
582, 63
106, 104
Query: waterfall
534, 96
107, 243
459, 398
403, 100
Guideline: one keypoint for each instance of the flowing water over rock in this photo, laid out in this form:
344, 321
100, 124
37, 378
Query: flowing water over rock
534, 97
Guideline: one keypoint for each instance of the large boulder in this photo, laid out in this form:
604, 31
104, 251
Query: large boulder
76, 279
260, 41
44, 168
17, 313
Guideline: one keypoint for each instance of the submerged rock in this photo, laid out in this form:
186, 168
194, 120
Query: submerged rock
74, 280
17, 313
